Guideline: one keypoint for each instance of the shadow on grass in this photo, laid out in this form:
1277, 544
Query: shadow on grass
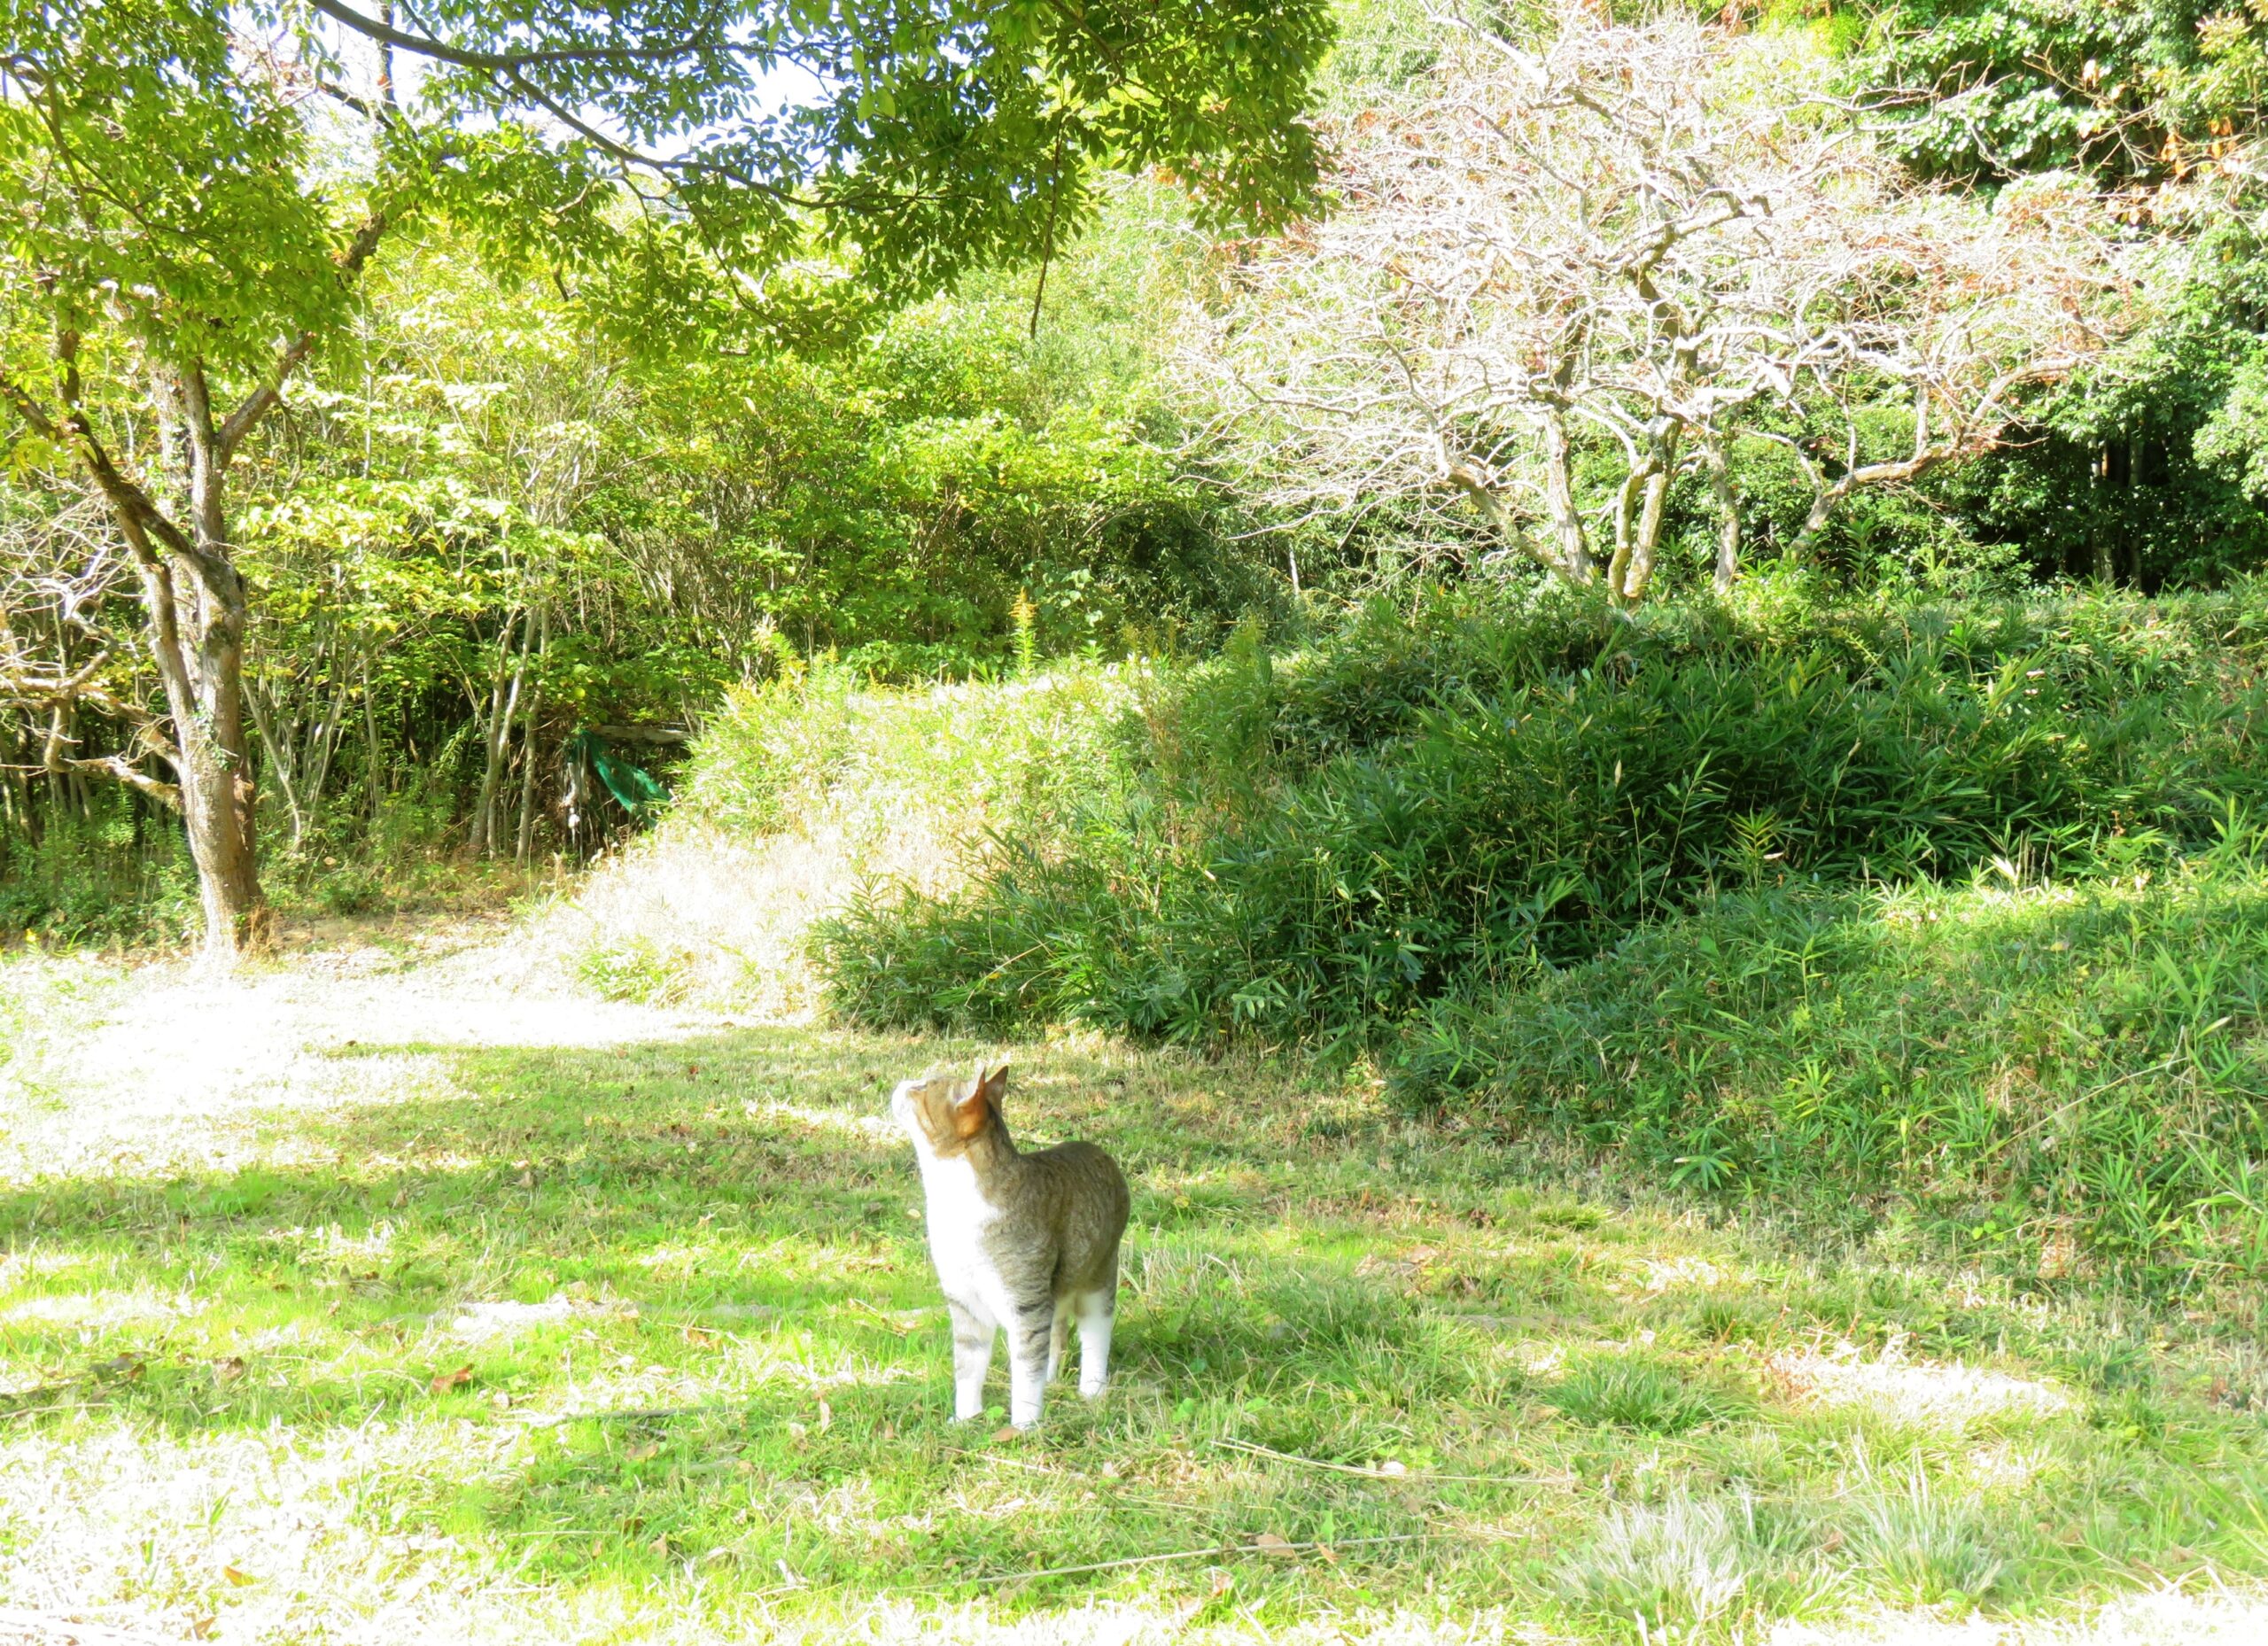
686, 1281
659, 1317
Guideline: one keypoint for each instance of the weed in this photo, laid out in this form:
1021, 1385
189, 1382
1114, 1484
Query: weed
1920, 1548
1686, 1561
633, 971
1633, 1391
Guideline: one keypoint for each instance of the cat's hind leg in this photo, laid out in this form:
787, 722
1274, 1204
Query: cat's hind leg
972, 1359
1058, 1337
1031, 1328
1096, 1311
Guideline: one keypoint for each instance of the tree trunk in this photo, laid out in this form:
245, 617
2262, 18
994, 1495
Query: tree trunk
194, 605
281, 760
1575, 547
503, 700
1815, 518
370, 734
2105, 571
1638, 573
202, 638
523, 843
194, 610
1728, 497
199, 646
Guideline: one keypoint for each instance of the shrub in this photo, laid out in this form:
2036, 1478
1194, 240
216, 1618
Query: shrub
89, 881
1313, 848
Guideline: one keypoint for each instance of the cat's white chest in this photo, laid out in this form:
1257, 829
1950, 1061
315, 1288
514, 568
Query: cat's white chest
959, 1214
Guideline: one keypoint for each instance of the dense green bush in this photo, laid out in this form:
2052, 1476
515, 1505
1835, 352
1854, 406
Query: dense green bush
825, 736
1320, 844
97, 877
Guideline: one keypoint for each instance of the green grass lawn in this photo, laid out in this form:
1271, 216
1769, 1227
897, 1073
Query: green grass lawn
639, 1341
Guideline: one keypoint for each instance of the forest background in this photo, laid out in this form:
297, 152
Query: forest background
497, 549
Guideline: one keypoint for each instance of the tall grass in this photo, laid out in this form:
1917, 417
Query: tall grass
1318, 845
2053, 1076
1947, 923
1948, 928
803, 791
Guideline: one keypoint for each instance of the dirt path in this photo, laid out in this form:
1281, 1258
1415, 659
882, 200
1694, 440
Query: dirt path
161, 1066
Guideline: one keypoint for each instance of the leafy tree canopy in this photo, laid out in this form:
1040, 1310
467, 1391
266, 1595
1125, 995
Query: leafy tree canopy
194, 189
2133, 90
169, 156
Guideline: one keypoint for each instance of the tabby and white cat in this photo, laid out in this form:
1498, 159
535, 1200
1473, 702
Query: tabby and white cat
1022, 1242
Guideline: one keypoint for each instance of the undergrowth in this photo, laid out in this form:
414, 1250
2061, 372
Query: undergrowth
1319, 845
807, 788
2053, 1076
1941, 927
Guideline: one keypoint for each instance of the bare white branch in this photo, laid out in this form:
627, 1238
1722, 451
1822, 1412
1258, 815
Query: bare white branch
1561, 278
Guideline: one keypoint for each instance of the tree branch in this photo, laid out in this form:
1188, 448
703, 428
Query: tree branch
512, 62
262, 400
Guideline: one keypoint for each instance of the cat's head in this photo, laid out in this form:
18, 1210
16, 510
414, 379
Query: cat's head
943, 1113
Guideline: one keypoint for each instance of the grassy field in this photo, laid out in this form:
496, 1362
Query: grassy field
366, 1298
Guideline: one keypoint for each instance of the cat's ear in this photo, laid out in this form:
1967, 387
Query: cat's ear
972, 1112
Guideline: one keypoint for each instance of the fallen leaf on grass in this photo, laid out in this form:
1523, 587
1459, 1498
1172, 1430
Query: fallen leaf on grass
1006, 1431
1268, 1543
527, 1180
201, 1628
442, 1382
229, 1369
237, 1576
643, 1450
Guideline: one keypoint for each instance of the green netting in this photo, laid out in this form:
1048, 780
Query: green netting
637, 790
